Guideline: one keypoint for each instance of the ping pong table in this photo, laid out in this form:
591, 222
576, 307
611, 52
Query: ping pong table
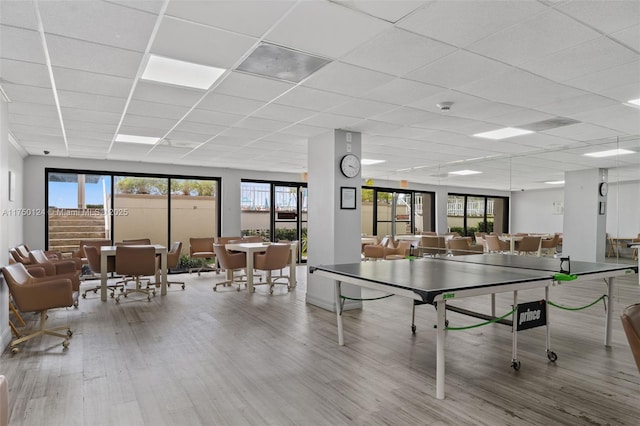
437, 281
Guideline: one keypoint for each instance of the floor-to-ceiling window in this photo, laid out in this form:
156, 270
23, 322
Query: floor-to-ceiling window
467, 214
96, 205
275, 211
396, 212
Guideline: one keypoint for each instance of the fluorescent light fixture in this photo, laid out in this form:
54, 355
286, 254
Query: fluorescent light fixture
507, 132
634, 102
610, 153
137, 139
180, 73
555, 182
464, 172
368, 162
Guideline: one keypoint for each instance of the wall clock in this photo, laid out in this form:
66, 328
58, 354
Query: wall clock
350, 165
603, 188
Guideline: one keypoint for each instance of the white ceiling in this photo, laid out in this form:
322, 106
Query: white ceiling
72, 72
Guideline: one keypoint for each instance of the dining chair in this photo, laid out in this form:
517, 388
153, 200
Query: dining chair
137, 261
549, 246
631, 323
95, 264
496, 245
33, 291
431, 245
274, 258
460, 246
400, 252
202, 248
230, 262
173, 259
529, 245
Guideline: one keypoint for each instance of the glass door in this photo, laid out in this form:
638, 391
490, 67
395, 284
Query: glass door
290, 215
78, 209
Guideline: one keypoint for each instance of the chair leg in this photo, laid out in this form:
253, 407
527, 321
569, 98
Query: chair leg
43, 331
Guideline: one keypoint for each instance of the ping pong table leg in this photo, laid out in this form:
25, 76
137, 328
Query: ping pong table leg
493, 304
339, 313
441, 308
609, 313
515, 364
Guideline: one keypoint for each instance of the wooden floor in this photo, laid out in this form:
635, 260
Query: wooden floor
195, 357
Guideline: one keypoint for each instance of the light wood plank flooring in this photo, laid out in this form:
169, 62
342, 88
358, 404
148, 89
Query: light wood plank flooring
195, 357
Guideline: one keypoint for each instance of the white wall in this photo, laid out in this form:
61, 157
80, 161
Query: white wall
10, 219
533, 211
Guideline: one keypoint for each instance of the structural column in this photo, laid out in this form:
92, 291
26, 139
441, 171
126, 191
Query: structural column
334, 230
585, 215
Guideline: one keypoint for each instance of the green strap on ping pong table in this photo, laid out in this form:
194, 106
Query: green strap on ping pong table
564, 277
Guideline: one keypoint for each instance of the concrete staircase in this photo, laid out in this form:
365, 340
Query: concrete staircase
67, 227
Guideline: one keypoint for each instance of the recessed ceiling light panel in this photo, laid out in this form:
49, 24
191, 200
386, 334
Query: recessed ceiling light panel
609, 153
136, 139
464, 172
368, 162
634, 102
555, 182
507, 132
180, 73
269, 60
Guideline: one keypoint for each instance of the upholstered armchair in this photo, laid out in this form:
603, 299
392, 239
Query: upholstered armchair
32, 291
55, 268
400, 252
39, 257
173, 259
202, 248
276, 257
631, 323
137, 262
432, 245
230, 262
460, 246
376, 251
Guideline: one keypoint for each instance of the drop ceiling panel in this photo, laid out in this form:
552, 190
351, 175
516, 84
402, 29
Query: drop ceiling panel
36, 110
161, 124
362, 108
186, 139
246, 17
617, 117
183, 40
307, 29
600, 81
534, 38
203, 129
84, 125
304, 130
473, 20
231, 104
168, 152
311, 99
100, 117
26, 73
161, 93
155, 109
586, 58
264, 124
251, 87
33, 120
331, 121
91, 102
99, 22
584, 132
457, 69
629, 37
243, 134
283, 113
346, 79
402, 92
213, 117
30, 94
92, 57
402, 115
21, 45
23, 129
382, 53
130, 151
520, 88
600, 14
89, 82
18, 14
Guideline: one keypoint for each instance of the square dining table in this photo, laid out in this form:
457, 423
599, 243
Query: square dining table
251, 248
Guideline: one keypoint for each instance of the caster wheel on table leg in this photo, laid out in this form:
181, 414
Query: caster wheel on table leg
552, 356
515, 365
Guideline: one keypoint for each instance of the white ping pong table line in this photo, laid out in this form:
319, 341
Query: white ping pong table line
440, 302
